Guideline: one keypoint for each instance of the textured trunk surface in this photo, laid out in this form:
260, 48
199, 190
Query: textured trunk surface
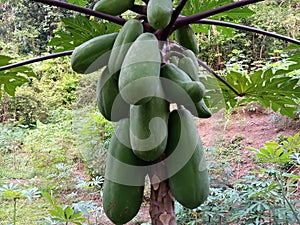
161, 203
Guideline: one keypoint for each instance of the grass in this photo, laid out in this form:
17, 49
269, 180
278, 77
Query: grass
15, 166
27, 212
47, 157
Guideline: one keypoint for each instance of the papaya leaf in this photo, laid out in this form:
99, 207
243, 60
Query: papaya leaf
277, 90
235, 14
12, 78
196, 6
77, 30
78, 2
213, 95
4, 60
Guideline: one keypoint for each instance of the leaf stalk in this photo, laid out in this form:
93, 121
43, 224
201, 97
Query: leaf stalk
193, 18
87, 11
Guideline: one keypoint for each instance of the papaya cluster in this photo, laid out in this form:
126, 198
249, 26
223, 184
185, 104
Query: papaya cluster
138, 83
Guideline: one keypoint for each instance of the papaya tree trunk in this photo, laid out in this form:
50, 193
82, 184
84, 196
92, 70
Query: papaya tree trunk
162, 210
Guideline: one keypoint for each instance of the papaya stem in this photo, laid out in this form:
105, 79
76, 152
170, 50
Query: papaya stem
193, 18
37, 59
87, 11
247, 28
140, 9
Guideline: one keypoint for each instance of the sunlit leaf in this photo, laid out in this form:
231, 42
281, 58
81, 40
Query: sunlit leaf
78, 2
77, 30
196, 6
271, 88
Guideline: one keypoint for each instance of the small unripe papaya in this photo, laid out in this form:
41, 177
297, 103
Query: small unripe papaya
113, 7
159, 13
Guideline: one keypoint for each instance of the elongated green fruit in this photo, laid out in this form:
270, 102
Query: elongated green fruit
190, 183
190, 54
93, 54
159, 13
148, 128
173, 72
139, 76
113, 7
178, 86
199, 109
195, 89
186, 37
127, 35
109, 101
188, 66
121, 201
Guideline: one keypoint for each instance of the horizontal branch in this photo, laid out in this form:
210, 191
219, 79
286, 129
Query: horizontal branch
37, 59
193, 18
247, 28
87, 11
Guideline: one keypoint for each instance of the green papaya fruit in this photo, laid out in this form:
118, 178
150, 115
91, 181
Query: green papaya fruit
127, 35
179, 87
139, 76
124, 182
190, 54
159, 13
148, 128
93, 54
186, 37
199, 109
188, 66
109, 101
186, 165
173, 72
195, 89
113, 7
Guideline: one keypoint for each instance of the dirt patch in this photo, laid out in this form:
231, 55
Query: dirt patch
255, 128
252, 128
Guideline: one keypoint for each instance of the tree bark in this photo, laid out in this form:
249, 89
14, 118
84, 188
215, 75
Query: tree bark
162, 210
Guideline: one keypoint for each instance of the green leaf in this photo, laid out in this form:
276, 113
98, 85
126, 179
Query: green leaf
12, 78
77, 30
235, 14
196, 6
10, 81
272, 152
12, 194
78, 2
59, 211
68, 212
271, 88
56, 215
4, 60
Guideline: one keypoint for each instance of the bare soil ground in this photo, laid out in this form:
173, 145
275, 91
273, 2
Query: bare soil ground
253, 128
